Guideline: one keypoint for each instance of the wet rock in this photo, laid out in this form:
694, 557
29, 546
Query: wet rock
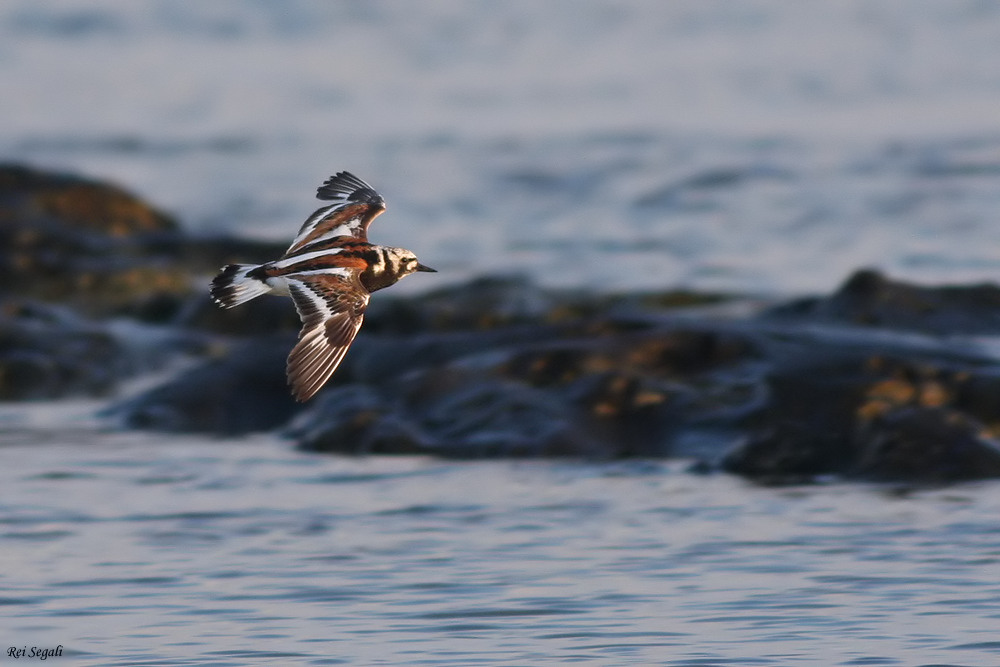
867, 411
558, 375
483, 304
356, 420
241, 390
874, 381
78, 241
444, 414
48, 353
623, 396
97, 248
502, 302
490, 417
926, 444
74, 251
76, 204
264, 316
868, 298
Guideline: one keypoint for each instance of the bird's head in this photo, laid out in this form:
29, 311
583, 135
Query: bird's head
406, 262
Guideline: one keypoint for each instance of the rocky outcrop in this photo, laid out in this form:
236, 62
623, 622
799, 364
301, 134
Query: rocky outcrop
241, 390
73, 252
83, 243
98, 249
775, 398
870, 299
882, 380
554, 395
47, 352
886, 411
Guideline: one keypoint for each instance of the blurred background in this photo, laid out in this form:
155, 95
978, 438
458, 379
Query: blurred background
759, 147
763, 148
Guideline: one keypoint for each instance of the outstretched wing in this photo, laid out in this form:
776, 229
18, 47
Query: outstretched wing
355, 205
332, 307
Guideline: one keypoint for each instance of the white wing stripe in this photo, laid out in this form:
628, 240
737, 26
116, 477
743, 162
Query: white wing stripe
317, 301
319, 216
343, 229
295, 259
340, 271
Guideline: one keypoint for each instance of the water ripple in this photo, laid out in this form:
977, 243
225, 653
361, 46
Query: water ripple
413, 561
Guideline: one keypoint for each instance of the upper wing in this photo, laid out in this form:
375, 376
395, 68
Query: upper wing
332, 308
355, 205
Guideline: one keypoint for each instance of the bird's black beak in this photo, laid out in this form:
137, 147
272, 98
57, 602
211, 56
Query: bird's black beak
421, 267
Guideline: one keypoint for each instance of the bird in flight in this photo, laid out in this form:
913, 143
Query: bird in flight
330, 271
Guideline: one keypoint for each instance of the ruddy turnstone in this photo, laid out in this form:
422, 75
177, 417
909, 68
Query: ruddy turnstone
330, 271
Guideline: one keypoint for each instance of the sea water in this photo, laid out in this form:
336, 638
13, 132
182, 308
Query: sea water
759, 147
150, 550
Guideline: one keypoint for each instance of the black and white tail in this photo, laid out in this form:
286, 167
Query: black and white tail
234, 286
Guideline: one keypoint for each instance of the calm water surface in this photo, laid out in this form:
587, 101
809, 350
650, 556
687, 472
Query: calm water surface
140, 550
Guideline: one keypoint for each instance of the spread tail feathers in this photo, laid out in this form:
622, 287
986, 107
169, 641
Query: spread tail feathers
234, 286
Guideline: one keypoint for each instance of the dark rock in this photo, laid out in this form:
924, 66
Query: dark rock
46, 353
499, 302
978, 395
868, 298
491, 417
873, 382
626, 396
356, 420
804, 428
264, 316
926, 444
77, 205
99, 249
484, 303
95, 250
446, 414
240, 391
787, 453
82, 242
857, 411
560, 375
